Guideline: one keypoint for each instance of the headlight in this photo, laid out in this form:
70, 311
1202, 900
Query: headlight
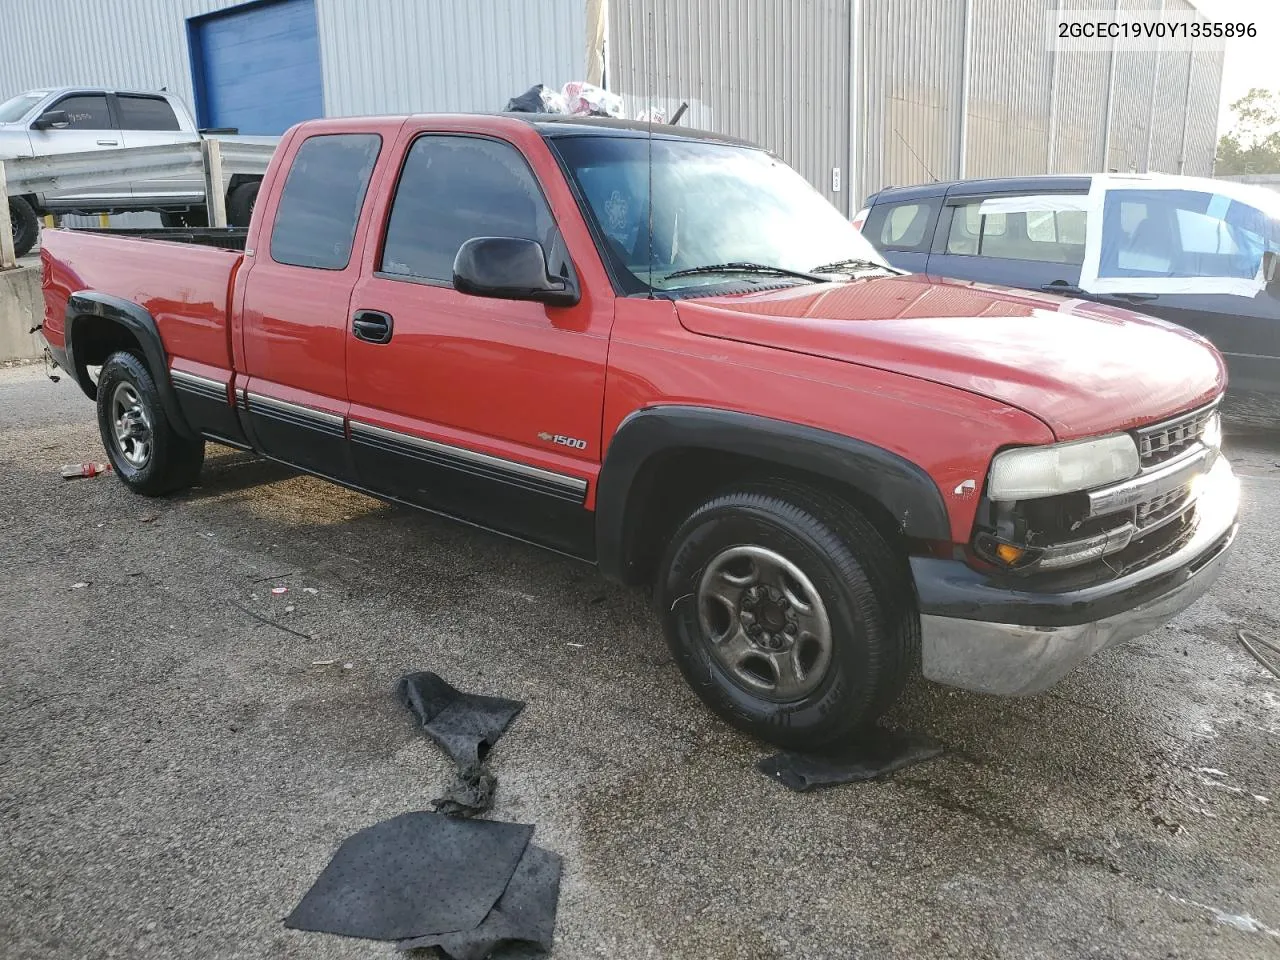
1027, 473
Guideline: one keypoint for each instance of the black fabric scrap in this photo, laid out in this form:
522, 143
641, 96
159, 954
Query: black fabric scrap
875, 753
466, 725
528, 102
414, 875
470, 793
525, 913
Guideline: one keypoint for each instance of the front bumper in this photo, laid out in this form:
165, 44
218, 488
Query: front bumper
984, 634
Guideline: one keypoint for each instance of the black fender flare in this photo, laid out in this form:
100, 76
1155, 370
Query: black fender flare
903, 488
139, 322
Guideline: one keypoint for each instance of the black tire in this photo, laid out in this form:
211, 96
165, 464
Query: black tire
240, 203
863, 585
26, 226
171, 463
195, 217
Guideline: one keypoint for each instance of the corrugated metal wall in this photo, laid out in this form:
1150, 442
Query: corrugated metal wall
378, 56
407, 56
1008, 125
1131, 119
773, 73
910, 81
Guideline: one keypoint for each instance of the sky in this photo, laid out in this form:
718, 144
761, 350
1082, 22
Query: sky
1250, 62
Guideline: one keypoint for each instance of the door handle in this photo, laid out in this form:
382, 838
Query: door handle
108, 143
372, 326
1061, 286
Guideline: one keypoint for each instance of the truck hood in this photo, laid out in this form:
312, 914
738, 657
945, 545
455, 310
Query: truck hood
1082, 368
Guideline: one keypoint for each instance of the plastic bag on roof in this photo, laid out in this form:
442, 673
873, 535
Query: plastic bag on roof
653, 114
586, 99
537, 99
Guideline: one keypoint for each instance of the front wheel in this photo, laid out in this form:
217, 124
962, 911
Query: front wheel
788, 614
145, 451
25, 225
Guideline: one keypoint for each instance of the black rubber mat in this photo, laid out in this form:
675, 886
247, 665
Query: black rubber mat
414, 875
525, 914
876, 753
466, 725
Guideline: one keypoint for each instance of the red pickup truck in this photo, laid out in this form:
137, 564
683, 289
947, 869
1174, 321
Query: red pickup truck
662, 352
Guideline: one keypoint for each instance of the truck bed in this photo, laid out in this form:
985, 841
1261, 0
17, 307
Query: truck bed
195, 269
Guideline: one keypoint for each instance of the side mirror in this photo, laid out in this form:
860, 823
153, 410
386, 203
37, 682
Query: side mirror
55, 119
510, 268
1271, 271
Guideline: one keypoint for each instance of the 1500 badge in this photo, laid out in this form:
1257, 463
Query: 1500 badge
571, 442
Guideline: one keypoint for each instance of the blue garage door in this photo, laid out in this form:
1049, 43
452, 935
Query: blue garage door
257, 67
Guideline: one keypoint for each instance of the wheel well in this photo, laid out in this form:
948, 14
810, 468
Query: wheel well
671, 484
96, 338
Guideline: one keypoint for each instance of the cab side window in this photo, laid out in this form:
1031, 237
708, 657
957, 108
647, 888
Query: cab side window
455, 188
86, 111
1039, 232
904, 227
320, 207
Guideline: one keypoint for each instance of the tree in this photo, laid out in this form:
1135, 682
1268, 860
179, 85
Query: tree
1253, 144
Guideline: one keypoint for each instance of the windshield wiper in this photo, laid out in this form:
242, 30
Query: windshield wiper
741, 266
840, 266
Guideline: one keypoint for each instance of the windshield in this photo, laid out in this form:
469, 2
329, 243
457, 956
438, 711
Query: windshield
15, 108
714, 204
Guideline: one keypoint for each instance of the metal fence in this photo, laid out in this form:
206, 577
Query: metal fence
214, 159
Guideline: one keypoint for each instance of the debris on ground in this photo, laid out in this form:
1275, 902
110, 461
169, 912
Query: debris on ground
415, 875
875, 753
79, 586
466, 726
1251, 642
279, 590
441, 879
311, 590
525, 913
74, 471
323, 663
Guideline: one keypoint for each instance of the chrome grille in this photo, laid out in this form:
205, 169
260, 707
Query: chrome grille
1152, 513
1164, 441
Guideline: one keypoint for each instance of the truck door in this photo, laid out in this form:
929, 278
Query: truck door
150, 121
79, 123
485, 409
296, 297
1032, 241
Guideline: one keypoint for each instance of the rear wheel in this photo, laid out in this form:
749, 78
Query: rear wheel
25, 225
788, 613
145, 451
240, 204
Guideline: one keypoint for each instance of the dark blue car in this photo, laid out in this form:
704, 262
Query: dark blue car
1200, 253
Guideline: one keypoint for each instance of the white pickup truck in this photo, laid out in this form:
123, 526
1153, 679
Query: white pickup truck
80, 119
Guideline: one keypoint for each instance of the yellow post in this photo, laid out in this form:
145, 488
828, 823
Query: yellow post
104, 220
48, 221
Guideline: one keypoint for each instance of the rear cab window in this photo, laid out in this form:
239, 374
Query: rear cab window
319, 209
145, 113
1047, 228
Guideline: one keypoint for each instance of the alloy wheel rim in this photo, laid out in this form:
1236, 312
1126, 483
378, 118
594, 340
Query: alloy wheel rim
134, 437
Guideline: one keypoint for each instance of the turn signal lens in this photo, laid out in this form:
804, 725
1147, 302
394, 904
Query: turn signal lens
1009, 554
